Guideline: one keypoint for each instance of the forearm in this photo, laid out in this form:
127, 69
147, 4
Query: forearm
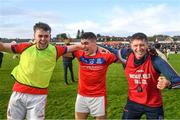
112, 50
73, 48
120, 54
5, 47
171, 75
167, 70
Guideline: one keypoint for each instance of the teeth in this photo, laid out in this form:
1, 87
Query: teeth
139, 53
43, 43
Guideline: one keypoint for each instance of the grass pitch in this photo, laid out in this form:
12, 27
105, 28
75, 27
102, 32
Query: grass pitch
61, 98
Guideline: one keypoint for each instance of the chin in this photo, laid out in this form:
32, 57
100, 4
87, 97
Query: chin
43, 47
86, 53
139, 56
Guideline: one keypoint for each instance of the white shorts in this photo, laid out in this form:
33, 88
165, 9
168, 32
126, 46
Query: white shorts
29, 106
96, 106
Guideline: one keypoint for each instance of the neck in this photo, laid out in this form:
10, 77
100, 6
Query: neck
94, 51
141, 60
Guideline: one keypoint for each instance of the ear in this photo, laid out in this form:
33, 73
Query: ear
130, 44
34, 38
34, 35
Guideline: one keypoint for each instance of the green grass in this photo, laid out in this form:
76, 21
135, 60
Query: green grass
61, 98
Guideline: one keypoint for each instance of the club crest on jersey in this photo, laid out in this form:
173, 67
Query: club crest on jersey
92, 60
99, 61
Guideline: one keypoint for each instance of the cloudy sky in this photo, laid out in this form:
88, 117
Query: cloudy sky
107, 17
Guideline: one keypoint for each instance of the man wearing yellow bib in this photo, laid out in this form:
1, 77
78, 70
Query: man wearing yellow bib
33, 73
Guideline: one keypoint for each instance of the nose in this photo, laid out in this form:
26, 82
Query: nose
43, 38
139, 47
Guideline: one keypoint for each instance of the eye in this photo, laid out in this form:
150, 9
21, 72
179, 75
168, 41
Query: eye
45, 36
84, 43
40, 36
135, 45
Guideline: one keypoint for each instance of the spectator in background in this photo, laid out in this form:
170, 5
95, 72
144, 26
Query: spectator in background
67, 63
175, 49
67, 60
165, 51
1, 58
157, 47
168, 52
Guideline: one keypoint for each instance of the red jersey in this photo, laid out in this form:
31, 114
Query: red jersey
19, 48
145, 77
92, 72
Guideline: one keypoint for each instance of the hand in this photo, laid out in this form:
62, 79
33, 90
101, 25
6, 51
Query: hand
163, 83
101, 49
13, 42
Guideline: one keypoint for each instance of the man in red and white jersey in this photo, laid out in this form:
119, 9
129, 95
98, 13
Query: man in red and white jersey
93, 65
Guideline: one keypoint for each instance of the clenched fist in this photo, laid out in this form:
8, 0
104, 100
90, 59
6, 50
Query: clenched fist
163, 83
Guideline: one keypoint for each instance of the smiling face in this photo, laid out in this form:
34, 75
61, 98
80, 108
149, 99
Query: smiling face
90, 46
139, 48
41, 38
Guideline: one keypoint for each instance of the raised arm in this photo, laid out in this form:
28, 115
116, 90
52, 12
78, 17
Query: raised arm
6, 47
120, 54
73, 48
112, 50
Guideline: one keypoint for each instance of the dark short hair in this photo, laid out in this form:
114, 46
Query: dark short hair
88, 35
139, 36
41, 25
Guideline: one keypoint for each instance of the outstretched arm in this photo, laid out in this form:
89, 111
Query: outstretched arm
120, 54
101, 49
112, 50
6, 47
73, 48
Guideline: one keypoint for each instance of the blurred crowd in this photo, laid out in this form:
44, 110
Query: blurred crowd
164, 47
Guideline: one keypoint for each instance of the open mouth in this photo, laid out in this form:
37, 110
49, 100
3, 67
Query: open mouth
43, 43
86, 50
140, 52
